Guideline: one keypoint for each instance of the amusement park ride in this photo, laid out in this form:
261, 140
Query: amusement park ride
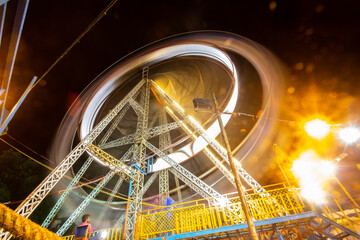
277, 211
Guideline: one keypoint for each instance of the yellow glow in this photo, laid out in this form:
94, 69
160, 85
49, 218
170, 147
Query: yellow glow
311, 172
212, 131
168, 109
349, 135
222, 202
317, 128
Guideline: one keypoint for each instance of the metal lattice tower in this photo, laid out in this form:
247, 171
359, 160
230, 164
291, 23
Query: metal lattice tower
137, 154
35, 198
135, 188
164, 141
215, 145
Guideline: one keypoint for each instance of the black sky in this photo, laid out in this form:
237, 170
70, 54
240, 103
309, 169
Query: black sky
318, 41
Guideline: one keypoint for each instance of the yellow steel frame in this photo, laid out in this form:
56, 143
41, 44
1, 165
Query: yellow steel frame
199, 215
122, 169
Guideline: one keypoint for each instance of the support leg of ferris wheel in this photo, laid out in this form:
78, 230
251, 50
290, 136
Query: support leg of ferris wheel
164, 140
40, 192
85, 203
110, 198
135, 188
189, 123
220, 166
143, 191
187, 177
214, 144
91, 196
82, 170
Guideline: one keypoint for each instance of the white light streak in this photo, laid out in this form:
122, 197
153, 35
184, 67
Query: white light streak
349, 135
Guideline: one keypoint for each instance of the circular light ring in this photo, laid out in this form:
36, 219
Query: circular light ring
90, 100
171, 51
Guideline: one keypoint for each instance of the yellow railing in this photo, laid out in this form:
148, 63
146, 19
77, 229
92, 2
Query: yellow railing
107, 234
349, 218
200, 214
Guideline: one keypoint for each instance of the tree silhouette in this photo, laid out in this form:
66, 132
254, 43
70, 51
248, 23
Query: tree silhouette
18, 178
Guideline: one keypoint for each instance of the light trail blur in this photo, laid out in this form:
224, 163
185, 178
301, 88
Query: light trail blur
311, 172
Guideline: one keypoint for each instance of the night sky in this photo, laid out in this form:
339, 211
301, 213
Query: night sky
317, 41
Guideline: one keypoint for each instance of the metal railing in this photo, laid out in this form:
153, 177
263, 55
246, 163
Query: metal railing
201, 215
106, 234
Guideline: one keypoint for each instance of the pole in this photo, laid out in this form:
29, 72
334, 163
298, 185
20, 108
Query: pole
16, 107
276, 160
240, 190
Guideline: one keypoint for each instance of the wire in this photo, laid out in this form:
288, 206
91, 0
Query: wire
77, 40
70, 178
29, 148
38, 162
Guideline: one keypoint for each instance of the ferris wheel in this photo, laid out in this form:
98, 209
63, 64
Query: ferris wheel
134, 131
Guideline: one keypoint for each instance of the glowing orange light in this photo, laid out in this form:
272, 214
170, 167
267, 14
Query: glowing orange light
317, 128
311, 172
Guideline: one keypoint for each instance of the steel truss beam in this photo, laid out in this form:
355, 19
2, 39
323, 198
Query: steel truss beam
178, 188
150, 133
137, 108
34, 199
110, 198
187, 177
167, 139
162, 129
41, 191
120, 220
214, 144
208, 153
149, 182
163, 185
85, 203
114, 164
82, 170
164, 141
91, 196
139, 155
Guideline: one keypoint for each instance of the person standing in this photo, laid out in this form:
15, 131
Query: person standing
167, 200
169, 216
86, 222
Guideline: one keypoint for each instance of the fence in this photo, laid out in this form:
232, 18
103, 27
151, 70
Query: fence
107, 234
201, 215
210, 213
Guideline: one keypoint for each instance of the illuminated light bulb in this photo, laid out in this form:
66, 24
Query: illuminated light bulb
349, 135
104, 234
317, 128
312, 172
327, 168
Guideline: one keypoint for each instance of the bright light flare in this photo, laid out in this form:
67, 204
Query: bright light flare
349, 135
317, 128
311, 172
103, 234
222, 202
